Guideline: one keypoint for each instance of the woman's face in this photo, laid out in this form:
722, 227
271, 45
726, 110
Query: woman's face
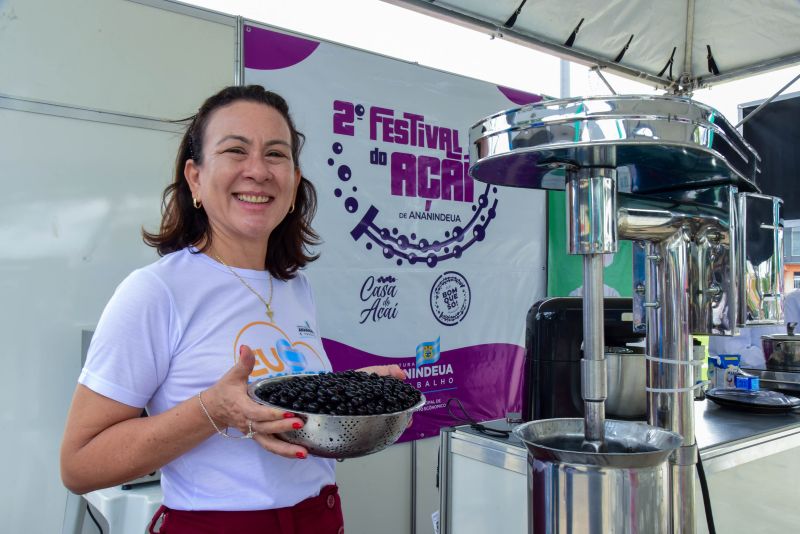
247, 180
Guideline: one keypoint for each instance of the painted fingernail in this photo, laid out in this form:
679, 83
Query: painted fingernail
297, 426
300, 455
288, 415
241, 350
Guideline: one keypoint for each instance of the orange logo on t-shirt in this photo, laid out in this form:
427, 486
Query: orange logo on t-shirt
274, 351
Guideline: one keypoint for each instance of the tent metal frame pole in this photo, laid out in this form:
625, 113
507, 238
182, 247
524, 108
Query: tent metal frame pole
687, 81
565, 85
54, 109
767, 101
736, 74
603, 79
183, 8
238, 63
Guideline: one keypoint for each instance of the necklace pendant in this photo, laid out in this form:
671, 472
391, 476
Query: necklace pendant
266, 303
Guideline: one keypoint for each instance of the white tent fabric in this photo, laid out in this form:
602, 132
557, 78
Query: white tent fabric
726, 39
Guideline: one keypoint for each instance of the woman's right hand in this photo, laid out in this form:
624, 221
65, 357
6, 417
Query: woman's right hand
229, 405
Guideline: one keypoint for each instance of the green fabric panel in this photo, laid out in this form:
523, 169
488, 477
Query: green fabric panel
565, 271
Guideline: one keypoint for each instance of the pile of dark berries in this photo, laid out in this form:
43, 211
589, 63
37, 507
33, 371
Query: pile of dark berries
347, 393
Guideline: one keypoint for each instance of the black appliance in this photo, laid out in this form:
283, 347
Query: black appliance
553, 337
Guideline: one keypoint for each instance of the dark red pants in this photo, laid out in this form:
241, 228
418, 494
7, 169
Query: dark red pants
318, 515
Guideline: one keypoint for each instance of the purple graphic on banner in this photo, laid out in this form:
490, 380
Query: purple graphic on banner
422, 160
487, 379
428, 353
519, 97
268, 50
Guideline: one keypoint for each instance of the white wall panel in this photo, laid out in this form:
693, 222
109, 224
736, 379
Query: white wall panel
74, 198
376, 491
75, 195
113, 55
427, 492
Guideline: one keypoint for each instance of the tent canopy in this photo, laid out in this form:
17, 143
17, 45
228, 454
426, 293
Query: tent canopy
680, 45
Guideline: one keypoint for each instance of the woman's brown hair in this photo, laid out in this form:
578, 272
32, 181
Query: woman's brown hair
182, 225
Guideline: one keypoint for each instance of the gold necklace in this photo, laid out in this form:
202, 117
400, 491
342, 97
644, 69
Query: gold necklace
268, 303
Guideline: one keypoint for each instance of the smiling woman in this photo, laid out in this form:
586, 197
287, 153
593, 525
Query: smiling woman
184, 335
237, 175
246, 182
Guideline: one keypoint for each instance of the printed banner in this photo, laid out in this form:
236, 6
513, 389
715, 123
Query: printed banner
420, 265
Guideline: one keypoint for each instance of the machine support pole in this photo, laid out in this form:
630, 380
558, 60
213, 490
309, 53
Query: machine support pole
592, 228
670, 398
593, 365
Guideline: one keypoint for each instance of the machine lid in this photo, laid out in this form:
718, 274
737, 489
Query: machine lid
788, 336
781, 337
656, 143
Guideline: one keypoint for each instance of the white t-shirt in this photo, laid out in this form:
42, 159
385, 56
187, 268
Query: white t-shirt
791, 307
171, 330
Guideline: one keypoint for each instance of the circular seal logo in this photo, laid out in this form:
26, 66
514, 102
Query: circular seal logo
450, 298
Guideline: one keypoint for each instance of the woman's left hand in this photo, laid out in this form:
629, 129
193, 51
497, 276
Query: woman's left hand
386, 370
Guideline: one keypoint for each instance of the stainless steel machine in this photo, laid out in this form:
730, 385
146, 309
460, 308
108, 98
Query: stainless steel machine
674, 177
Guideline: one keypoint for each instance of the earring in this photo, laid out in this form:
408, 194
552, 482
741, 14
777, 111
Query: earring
291, 208
197, 203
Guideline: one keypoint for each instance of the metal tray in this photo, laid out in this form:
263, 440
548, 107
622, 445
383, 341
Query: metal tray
657, 143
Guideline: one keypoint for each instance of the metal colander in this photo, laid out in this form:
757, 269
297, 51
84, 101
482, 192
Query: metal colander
341, 436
